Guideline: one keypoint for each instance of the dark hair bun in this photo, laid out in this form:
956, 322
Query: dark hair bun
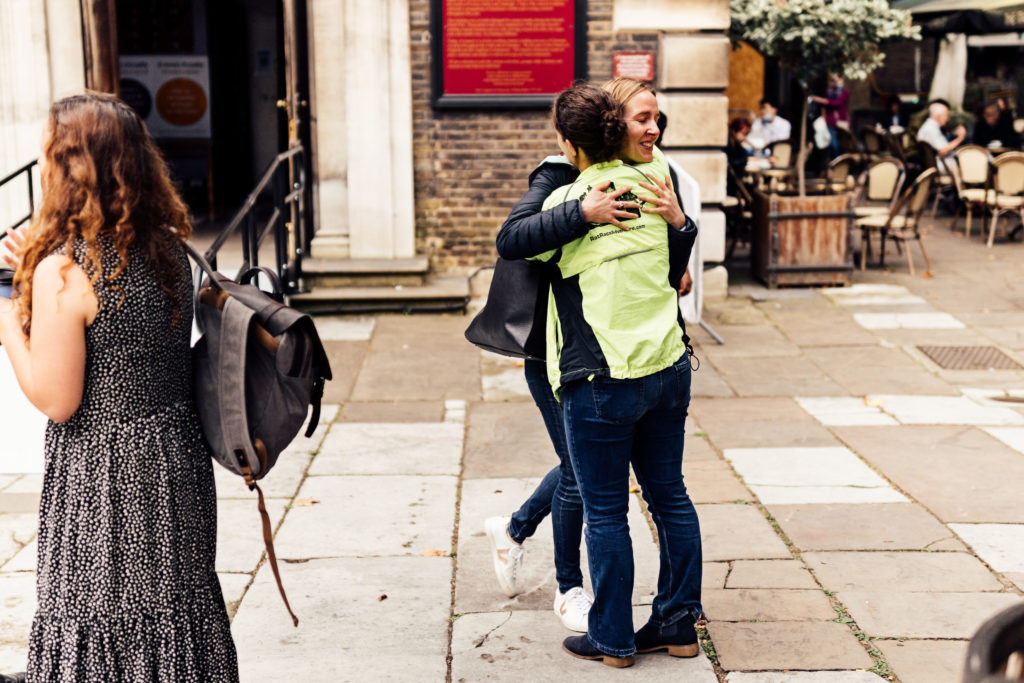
590, 119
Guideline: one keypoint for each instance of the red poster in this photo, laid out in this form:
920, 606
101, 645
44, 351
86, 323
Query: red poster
508, 47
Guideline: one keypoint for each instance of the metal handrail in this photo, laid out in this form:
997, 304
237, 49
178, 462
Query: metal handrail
288, 220
27, 170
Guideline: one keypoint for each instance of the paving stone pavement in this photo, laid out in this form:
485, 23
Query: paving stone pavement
860, 507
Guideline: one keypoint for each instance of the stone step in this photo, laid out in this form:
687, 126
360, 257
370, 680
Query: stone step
437, 294
333, 273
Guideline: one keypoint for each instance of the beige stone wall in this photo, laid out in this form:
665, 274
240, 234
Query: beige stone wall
693, 73
40, 61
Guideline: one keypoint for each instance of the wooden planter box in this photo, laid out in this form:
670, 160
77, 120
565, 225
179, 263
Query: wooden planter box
802, 240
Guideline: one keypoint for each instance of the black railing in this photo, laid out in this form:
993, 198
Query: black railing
288, 221
25, 170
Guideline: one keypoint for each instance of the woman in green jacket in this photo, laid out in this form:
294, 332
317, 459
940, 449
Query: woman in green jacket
617, 358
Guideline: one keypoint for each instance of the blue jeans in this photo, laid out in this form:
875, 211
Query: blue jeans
612, 423
556, 493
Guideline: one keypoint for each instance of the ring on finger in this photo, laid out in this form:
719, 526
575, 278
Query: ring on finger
619, 206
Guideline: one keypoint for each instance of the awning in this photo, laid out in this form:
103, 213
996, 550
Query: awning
930, 6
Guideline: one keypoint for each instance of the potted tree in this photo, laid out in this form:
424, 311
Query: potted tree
810, 38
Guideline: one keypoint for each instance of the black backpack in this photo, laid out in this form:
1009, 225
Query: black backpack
257, 368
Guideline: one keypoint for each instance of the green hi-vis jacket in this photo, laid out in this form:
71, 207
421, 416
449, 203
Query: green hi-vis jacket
612, 311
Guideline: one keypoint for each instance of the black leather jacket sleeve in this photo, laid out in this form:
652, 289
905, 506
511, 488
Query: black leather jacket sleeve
528, 231
680, 244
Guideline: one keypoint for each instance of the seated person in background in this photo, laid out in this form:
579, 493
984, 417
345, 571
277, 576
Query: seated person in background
893, 117
994, 126
769, 127
736, 153
931, 133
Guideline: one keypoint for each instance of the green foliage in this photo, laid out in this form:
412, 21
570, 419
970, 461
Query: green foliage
812, 37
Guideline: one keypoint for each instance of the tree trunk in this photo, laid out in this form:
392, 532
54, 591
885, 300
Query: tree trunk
801, 154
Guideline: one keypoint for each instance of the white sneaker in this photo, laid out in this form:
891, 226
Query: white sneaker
573, 608
507, 556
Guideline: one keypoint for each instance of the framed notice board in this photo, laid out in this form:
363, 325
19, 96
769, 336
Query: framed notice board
502, 54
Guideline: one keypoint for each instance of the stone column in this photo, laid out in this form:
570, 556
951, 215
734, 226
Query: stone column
40, 61
363, 132
693, 72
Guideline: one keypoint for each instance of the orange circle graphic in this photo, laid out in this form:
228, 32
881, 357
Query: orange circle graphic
181, 101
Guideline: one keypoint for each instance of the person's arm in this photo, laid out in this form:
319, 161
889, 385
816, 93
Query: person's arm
959, 134
680, 244
529, 231
51, 369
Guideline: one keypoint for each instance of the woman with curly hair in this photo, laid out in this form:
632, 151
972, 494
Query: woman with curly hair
98, 334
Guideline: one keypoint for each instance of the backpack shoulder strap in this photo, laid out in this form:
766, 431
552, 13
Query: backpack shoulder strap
236, 319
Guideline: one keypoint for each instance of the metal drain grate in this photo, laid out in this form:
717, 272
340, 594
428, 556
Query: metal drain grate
970, 358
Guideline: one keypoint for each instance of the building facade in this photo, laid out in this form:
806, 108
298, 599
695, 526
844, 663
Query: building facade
393, 176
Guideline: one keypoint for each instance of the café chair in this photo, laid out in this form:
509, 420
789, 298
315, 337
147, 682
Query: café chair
783, 170
738, 210
880, 183
873, 143
902, 223
1007, 189
973, 162
836, 175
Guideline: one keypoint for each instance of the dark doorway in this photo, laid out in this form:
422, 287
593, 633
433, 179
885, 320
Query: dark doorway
234, 51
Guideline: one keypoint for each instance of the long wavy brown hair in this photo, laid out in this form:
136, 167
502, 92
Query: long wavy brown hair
103, 178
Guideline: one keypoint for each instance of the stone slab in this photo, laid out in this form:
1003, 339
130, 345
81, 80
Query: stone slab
1011, 436
26, 484
841, 411
823, 328
713, 481
766, 604
671, 15
345, 328
507, 440
803, 677
504, 646
233, 586
697, 449
925, 661
13, 657
931, 410
17, 607
16, 531
782, 376
912, 321
476, 588
957, 472
823, 466
770, 574
19, 502
999, 545
346, 359
25, 560
903, 571
883, 296
759, 422
714, 574
737, 532
873, 526
410, 374
708, 168
375, 515
348, 631
923, 615
703, 113
398, 448
707, 382
281, 482
807, 646
392, 411
864, 370
240, 533
690, 61
503, 378
1017, 578
745, 341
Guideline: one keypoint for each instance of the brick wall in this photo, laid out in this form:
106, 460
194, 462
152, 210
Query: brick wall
470, 167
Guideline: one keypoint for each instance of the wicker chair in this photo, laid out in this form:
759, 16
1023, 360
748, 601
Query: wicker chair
1007, 189
974, 163
902, 223
880, 184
